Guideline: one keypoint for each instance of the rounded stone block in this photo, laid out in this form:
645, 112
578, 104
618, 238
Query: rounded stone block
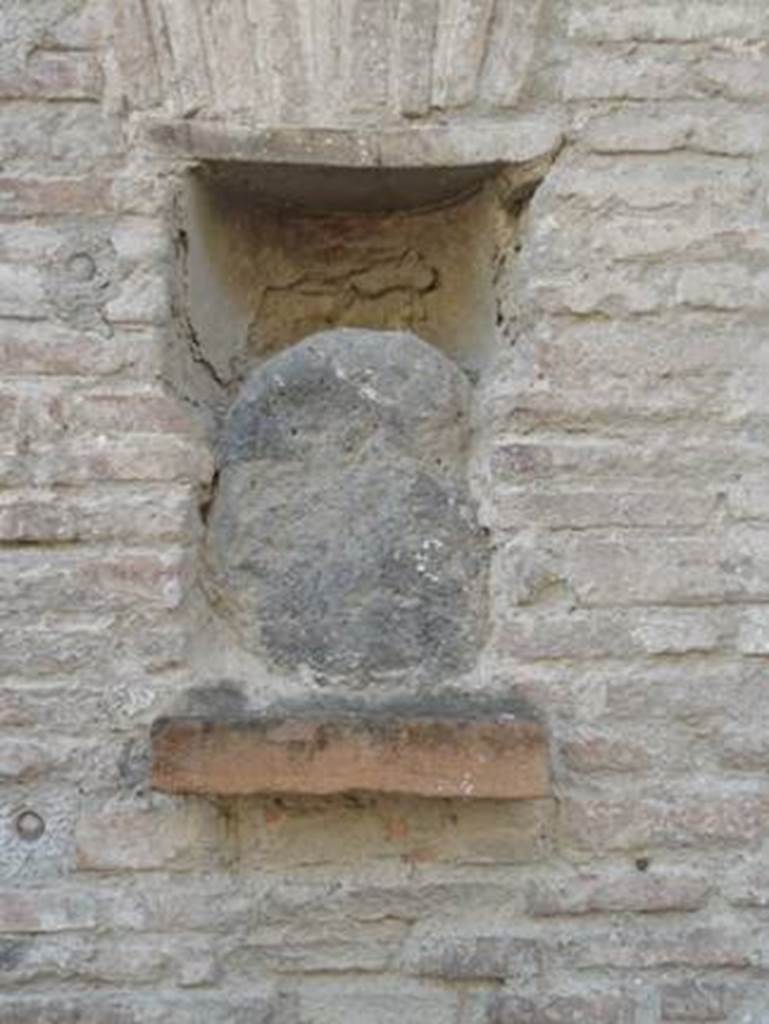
343, 538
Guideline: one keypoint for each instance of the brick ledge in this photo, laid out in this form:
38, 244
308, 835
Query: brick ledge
501, 756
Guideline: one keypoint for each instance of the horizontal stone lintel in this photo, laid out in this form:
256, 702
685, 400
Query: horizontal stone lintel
513, 141
502, 757
350, 169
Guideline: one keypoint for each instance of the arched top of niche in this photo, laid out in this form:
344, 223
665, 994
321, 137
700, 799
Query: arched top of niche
337, 62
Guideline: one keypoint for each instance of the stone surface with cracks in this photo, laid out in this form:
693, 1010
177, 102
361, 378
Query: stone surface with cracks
616, 321
343, 535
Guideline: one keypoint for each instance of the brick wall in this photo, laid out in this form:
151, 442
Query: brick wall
625, 480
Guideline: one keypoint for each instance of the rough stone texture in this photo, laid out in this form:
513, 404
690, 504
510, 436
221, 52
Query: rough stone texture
620, 460
255, 279
329, 60
342, 536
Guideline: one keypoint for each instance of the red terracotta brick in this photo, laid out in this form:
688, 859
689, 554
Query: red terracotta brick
502, 758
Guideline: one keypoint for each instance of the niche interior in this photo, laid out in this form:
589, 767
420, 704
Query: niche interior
336, 330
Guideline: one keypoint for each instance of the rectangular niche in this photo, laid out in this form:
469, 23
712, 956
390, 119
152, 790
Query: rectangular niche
271, 252
374, 428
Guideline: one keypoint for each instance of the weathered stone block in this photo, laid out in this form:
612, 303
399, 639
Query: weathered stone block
704, 947
602, 892
609, 1007
692, 820
475, 957
247, 1007
47, 910
380, 999
343, 536
700, 999
187, 838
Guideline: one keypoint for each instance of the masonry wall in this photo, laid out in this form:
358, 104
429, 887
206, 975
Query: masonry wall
624, 478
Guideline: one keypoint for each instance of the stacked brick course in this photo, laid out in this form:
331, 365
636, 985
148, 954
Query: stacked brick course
625, 480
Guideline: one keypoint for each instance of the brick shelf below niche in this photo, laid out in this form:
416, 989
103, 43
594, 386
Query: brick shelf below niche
503, 756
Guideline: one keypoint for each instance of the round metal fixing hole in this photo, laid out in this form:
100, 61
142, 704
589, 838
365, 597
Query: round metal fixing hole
29, 826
